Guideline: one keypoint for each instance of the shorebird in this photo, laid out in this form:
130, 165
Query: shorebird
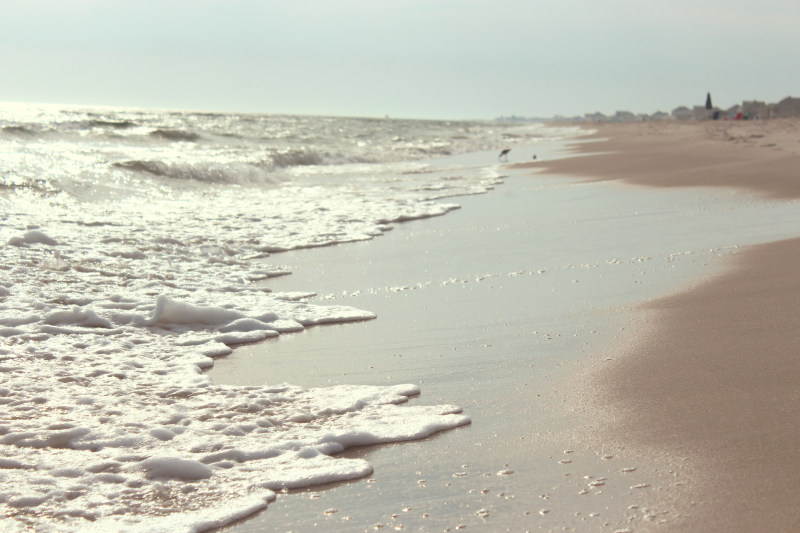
504, 154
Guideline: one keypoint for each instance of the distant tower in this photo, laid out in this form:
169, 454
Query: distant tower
708, 102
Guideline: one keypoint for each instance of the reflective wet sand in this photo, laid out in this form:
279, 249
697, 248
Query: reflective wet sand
512, 308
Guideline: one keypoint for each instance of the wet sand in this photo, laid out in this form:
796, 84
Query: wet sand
525, 309
717, 381
494, 307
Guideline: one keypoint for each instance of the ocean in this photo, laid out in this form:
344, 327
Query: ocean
207, 315
135, 247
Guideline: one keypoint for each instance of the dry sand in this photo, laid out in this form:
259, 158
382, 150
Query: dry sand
718, 380
763, 156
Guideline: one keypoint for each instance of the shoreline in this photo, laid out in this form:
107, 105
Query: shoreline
497, 308
716, 382
492, 308
509, 308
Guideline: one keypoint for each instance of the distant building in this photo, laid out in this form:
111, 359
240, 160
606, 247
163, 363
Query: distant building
624, 116
733, 113
749, 109
753, 109
595, 117
788, 107
700, 112
682, 113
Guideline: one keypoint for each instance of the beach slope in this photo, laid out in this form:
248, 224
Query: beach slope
717, 381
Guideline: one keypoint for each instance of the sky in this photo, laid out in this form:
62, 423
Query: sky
451, 59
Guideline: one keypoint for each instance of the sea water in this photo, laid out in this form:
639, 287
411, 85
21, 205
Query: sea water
132, 247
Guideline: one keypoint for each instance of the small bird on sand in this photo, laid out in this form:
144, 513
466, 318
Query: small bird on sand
504, 154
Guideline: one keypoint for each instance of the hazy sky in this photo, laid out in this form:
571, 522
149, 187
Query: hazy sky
403, 58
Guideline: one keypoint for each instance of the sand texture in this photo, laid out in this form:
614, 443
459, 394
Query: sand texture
597, 404
762, 156
717, 383
494, 308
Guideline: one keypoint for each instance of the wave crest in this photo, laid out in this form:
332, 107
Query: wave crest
296, 158
241, 173
176, 135
18, 131
116, 124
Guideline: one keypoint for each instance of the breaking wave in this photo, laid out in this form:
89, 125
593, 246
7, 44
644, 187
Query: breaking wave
176, 135
147, 260
260, 172
296, 158
18, 131
117, 124
228, 173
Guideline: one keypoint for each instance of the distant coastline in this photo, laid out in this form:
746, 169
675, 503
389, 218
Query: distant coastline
747, 110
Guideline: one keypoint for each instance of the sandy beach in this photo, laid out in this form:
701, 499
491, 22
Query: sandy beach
717, 382
760, 156
274, 267
597, 402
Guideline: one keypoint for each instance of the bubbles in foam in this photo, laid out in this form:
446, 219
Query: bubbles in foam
139, 255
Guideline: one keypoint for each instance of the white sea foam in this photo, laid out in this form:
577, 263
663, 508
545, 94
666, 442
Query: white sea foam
134, 250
